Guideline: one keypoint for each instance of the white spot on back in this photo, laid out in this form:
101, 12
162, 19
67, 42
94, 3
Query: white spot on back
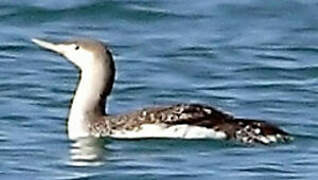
208, 111
257, 131
272, 138
264, 139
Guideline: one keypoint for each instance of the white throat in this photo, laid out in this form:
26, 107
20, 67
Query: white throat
89, 100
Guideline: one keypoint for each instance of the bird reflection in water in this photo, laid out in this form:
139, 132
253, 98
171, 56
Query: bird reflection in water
87, 151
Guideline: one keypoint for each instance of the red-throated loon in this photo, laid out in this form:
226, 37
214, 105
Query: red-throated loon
87, 116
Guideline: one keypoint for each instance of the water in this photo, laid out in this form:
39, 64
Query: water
256, 59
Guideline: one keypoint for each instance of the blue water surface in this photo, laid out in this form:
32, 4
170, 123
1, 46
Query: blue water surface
256, 59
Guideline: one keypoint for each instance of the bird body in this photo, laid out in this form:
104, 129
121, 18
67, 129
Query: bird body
87, 116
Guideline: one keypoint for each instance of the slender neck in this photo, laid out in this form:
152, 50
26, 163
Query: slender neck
94, 86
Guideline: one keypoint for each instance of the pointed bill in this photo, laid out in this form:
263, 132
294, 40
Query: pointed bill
48, 45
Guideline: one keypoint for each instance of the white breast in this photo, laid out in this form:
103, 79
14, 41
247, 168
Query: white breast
77, 126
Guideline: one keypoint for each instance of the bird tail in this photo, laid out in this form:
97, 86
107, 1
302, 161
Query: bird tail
254, 131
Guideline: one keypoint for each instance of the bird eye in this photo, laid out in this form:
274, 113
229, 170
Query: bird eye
77, 47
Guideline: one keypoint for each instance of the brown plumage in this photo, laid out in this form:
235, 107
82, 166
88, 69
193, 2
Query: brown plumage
242, 130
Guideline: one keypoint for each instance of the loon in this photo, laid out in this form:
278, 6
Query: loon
88, 117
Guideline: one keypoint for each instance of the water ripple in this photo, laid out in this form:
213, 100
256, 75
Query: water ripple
254, 59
